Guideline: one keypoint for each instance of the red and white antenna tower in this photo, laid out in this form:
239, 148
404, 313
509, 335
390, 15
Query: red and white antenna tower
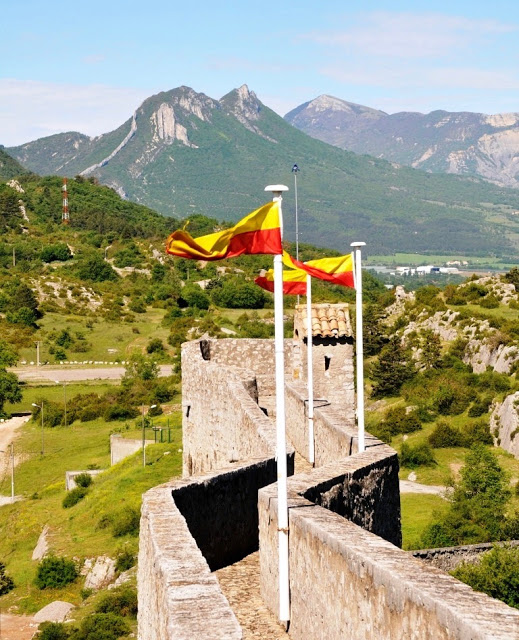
65, 218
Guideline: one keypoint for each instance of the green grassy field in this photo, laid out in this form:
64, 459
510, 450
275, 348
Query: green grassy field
404, 259
77, 532
418, 511
107, 341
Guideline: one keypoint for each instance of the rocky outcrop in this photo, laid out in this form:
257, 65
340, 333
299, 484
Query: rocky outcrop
504, 424
99, 572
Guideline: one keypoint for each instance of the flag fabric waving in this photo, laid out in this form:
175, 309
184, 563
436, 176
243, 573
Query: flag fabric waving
336, 270
294, 281
257, 233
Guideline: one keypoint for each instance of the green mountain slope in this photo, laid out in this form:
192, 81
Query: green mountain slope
9, 167
186, 153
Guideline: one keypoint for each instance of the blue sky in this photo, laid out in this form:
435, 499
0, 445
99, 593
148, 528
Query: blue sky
86, 67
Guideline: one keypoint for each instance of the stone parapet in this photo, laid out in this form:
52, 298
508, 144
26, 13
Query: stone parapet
335, 433
348, 583
178, 594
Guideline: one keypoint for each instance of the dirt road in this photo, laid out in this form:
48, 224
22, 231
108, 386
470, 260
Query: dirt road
17, 627
53, 373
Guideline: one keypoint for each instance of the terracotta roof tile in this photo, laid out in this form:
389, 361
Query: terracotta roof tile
328, 321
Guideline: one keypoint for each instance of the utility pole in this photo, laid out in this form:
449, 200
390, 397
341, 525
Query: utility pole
144, 435
12, 472
41, 410
37, 353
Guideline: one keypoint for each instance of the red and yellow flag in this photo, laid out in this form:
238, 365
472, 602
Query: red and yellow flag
257, 233
337, 270
294, 281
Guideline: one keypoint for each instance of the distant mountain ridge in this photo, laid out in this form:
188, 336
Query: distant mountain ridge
9, 167
183, 152
462, 143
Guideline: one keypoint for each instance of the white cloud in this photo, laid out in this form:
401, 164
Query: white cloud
31, 110
410, 34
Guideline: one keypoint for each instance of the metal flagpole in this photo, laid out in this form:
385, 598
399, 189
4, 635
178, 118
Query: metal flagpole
281, 446
359, 343
310, 373
295, 169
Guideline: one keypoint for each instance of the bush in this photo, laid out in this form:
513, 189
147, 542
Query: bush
399, 420
73, 497
489, 302
53, 631
126, 522
121, 601
496, 574
155, 345
55, 252
416, 456
478, 432
445, 436
120, 412
54, 572
6, 583
83, 480
451, 400
102, 626
125, 560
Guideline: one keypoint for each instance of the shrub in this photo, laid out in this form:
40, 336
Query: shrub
155, 345
88, 414
194, 296
120, 412
126, 522
496, 575
416, 456
73, 497
451, 400
53, 631
399, 420
125, 560
55, 252
478, 432
489, 302
121, 601
102, 626
137, 305
54, 572
445, 436
83, 480
6, 583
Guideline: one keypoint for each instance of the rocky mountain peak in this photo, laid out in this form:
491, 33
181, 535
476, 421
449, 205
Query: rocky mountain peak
243, 104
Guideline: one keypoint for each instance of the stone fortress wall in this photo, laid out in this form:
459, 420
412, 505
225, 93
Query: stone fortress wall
348, 576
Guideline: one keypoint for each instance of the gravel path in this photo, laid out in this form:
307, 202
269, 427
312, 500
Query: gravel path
239, 583
407, 486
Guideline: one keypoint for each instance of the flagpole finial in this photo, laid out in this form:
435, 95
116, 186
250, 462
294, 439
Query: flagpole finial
276, 188
358, 244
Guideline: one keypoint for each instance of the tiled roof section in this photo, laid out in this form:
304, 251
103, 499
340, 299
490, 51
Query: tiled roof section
328, 321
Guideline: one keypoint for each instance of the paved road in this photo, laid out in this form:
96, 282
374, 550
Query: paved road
52, 373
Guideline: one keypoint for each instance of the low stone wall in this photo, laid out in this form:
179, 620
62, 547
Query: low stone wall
70, 477
121, 447
348, 583
335, 433
188, 528
448, 558
178, 594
